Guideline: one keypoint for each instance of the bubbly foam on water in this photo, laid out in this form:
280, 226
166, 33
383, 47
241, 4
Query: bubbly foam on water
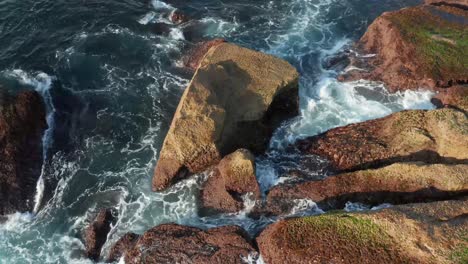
298, 30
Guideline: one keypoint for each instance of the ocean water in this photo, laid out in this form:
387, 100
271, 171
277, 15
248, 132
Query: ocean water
111, 79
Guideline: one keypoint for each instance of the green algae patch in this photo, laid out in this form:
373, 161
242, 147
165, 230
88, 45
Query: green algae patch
336, 228
441, 41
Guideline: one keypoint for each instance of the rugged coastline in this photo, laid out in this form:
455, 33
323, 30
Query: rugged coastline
416, 160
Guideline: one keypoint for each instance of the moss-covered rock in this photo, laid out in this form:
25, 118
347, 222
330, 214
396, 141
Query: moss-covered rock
418, 47
416, 233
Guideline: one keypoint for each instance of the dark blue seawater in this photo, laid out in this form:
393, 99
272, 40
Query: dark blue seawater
109, 71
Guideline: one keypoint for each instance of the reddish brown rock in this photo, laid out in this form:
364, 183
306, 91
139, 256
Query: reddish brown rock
196, 54
171, 243
177, 17
437, 136
398, 183
95, 235
236, 99
416, 233
233, 178
417, 47
455, 3
456, 97
22, 125
123, 244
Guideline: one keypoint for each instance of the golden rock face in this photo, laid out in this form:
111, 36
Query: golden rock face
235, 99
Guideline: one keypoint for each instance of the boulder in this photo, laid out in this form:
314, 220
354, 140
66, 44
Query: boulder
456, 97
22, 125
95, 235
435, 136
171, 243
398, 183
123, 244
233, 178
414, 233
417, 47
236, 99
177, 17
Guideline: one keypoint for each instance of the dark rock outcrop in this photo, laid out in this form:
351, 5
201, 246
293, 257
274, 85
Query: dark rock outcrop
22, 125
171, 243
177, 17
417, 47
123, 244
398, 183
455, 3
414, 233
235, 100
95, 235
436, 136
233, 178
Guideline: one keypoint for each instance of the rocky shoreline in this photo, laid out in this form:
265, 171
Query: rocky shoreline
416, 160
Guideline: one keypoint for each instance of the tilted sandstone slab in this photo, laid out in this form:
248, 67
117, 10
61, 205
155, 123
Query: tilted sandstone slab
398, 183
235, 100
417, 47
435, 136
414, 233
22, 125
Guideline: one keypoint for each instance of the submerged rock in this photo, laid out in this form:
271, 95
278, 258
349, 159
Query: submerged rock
395, 184
417, 47
236, 99
171, 243
123, 244
415, 233
177, 17
233, 178
95, 235
436, 136
22, 125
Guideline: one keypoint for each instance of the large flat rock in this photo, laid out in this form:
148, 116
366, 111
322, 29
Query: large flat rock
414, 233
235, 100
398, 183
435, 136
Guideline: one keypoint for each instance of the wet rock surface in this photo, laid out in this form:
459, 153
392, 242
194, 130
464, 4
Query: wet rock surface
413, 233
194, 57
124, 243
436, 136
231, 180
95, 235
398, 183
417, 47
171, 243
236, 99
22, 125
